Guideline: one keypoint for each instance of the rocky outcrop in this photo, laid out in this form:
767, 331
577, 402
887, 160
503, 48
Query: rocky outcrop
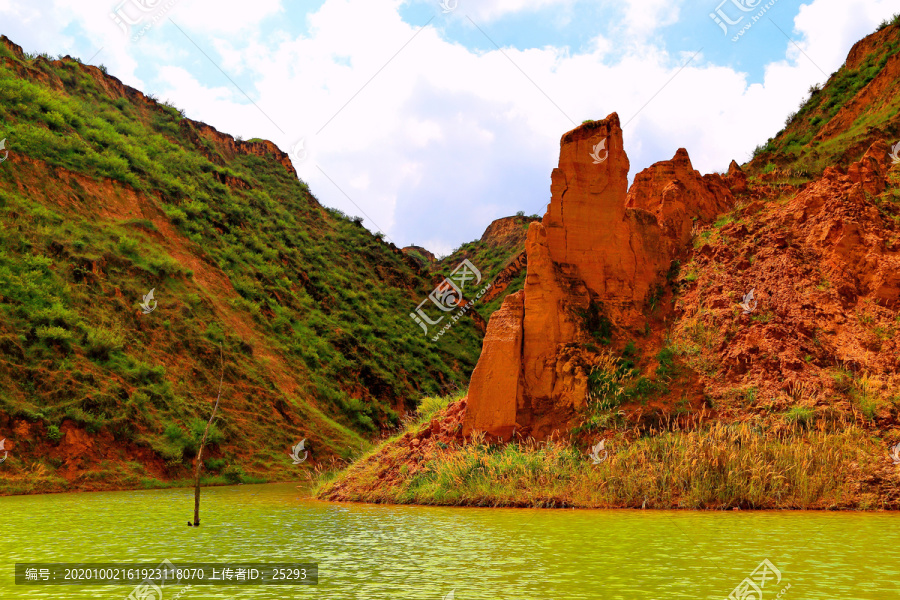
423, 256
825, 268
555, 300
836, 221
871, 170
230, 147
586, 222
736, 178
495, 382
599, 253
507, 232
676, 194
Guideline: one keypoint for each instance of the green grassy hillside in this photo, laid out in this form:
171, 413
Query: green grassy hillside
838, 122
108, 194
495, 254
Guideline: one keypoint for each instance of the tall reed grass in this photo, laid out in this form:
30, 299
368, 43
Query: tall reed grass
720, 466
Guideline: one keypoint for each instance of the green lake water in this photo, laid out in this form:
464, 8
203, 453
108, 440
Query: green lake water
397, 552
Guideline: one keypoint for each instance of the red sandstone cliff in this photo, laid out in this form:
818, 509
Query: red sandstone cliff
598, 255
813, 230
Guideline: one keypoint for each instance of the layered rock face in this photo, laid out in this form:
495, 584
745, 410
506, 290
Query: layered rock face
598, 254
825, 267
495, 382
588, 225
506, 232
859, 255
675, 193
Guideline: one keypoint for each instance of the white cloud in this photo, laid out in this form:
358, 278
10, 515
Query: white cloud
420, 133
226, 16
830, 27
489, 10
443, 139
645, 16
360, 182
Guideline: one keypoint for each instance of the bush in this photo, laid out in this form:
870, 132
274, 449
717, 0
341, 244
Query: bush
801, 416
128, 246
174, 433
166, 266
142, 373
214, 465
54, 335
888, 22
214, 437
100, 343
645, 388
430, 406
360, 412
57, 315
189, 442
666, 358
53, 433
234, 474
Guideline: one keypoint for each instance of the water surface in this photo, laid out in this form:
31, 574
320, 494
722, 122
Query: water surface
399, 552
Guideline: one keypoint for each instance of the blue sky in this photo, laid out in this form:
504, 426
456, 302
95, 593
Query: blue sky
410, 115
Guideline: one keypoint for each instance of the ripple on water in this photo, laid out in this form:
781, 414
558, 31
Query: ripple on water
377, 552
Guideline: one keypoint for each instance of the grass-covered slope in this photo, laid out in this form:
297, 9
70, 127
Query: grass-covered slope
499, 255
107, 194
838, 122
713, 466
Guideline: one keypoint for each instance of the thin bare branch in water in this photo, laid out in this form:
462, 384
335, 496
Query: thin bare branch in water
203, 443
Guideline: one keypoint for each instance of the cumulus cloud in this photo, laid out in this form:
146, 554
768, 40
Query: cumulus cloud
642, 17
489, 10
431, 140
828, 28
